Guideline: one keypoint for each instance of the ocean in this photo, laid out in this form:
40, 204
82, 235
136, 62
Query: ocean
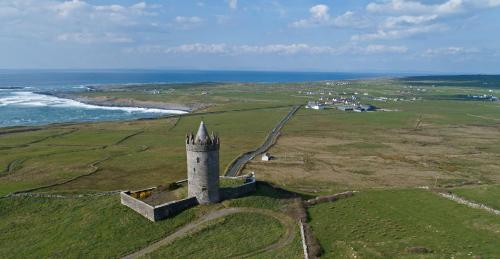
21, 103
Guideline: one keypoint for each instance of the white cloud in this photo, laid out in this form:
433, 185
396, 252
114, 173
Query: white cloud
320, 16
186, 19
51, 19
351, 19
186, 22
277, 49
405, 20
139, 6
412, 17
383, 34
89, 38
67, 8
320, 12
233, 4
195, 48
385, 49
450, 51
417, 7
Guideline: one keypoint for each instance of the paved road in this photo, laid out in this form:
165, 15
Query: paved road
285, 239
238, 164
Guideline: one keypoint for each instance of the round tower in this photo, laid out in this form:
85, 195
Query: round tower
203, 166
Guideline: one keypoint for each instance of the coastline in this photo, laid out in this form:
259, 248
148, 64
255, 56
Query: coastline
33, 99
124, 102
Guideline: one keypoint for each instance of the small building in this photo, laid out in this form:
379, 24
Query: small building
345, 108
266, 157
319, 107
315, 106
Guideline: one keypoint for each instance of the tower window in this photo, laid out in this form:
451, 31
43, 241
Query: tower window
194, 169
197, 160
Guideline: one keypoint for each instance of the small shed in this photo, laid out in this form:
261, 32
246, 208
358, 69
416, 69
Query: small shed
266, 157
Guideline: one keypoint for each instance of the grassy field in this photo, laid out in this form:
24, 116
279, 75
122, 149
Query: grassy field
488, 195
244, 232
432, 135
72, 228
384, 224
100, 227
127, 155
425, 142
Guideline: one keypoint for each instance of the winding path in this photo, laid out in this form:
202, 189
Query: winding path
239, 162
286, 238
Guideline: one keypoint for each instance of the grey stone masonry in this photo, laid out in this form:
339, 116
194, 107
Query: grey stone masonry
155, 213
166, 210
239, 191
202, 152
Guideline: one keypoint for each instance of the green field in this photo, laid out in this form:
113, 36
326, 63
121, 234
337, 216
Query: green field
383, 224
431, 135
71, 228
245, 231
128, 155
100, 227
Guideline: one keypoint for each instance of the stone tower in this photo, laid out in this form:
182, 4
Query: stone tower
203, 166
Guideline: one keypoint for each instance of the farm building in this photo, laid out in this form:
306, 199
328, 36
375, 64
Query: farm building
345, 108
315, 106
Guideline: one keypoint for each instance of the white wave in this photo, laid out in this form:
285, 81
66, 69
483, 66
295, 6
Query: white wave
82, 87
30, 99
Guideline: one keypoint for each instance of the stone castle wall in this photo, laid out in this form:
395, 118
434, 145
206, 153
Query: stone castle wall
173, 208
155, 213
139, 206
239, 191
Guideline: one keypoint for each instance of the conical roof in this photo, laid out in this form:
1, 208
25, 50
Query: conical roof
202, 133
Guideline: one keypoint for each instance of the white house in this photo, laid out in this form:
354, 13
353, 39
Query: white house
266, 157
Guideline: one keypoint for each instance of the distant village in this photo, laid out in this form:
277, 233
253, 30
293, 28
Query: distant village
344, 102
353, 101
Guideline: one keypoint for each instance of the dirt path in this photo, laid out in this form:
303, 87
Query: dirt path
286, 238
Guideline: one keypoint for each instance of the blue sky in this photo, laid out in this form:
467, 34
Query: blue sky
452, 36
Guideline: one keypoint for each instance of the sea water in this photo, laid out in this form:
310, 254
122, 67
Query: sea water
21, 102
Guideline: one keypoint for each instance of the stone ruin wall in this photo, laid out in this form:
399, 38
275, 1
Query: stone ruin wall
156, 213
239, 191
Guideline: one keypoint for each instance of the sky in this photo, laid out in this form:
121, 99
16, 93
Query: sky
430, 36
